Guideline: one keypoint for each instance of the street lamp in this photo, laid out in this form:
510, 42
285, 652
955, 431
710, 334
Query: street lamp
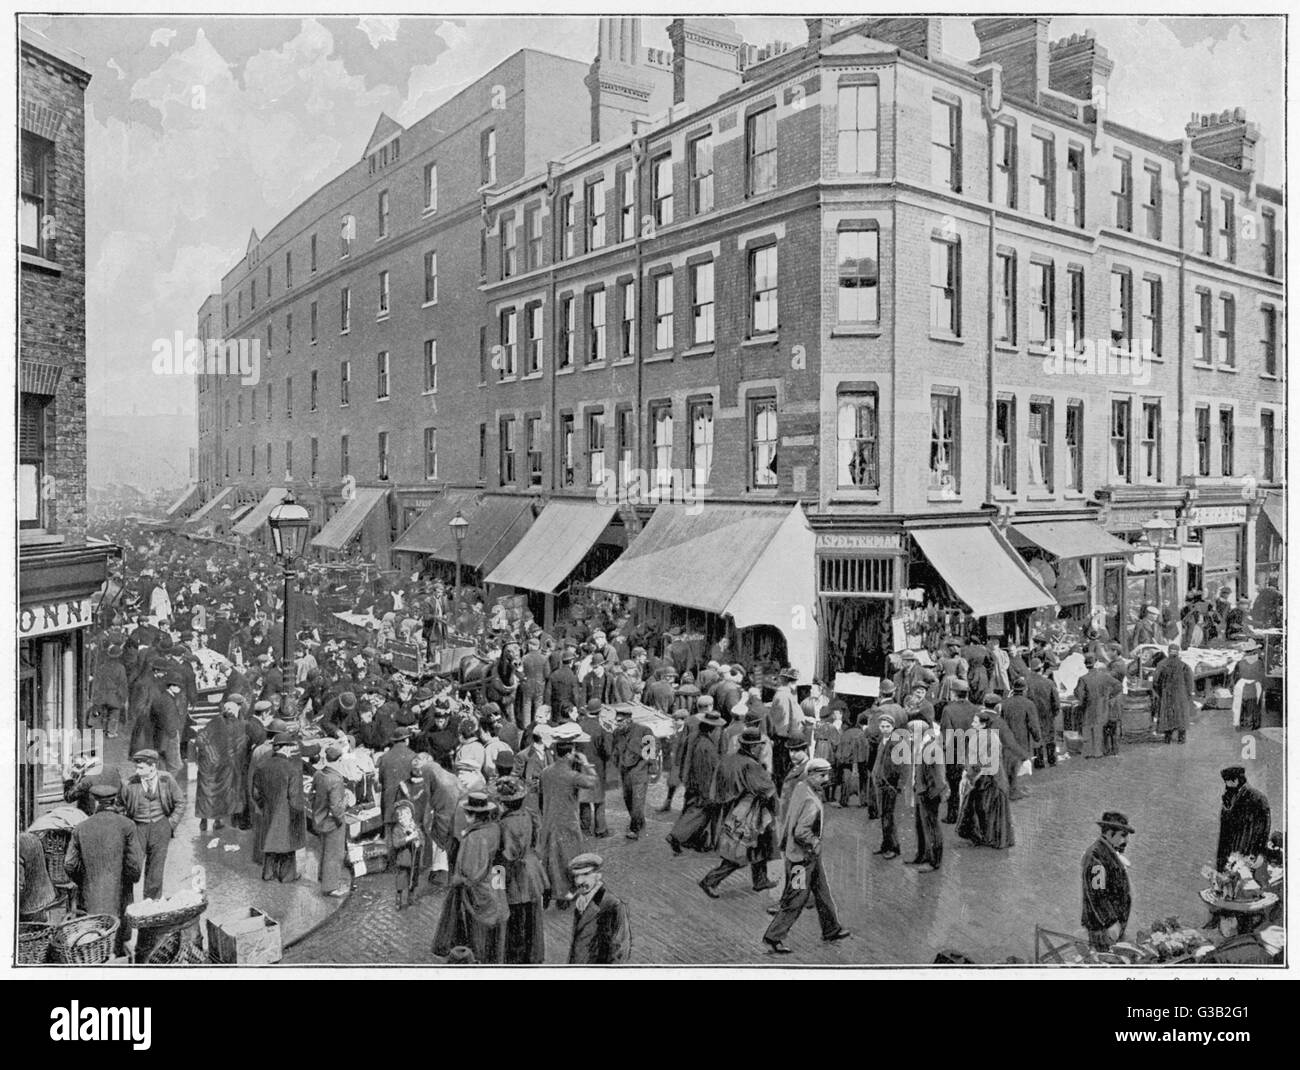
1158, 533
459, 529
288, 522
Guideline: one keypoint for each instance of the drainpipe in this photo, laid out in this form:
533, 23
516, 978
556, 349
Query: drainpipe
992, 100
639, 160
1184, 178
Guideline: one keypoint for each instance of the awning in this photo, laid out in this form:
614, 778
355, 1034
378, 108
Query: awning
1275, 510
343, 526
1068, 538
256, 516
496, 524
982, 569
206, 511
183, 502
754, 563
552, 548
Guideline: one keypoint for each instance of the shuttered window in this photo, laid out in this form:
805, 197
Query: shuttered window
31, 459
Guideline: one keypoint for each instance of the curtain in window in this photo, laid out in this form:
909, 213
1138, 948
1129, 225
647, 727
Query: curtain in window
940, 442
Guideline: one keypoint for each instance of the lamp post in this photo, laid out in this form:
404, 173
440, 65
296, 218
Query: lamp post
1157, 533
459, 529
288, 522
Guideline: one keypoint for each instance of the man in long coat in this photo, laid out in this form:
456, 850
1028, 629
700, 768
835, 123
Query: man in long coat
475, 912
561, 836
442, 801
1171, 695
1094, 691
278, 792
1021, 717
214, 797
394, 769
329, 806
954, 724
694, 828
632, 749
1043, 694
746, 795
105, 858
1244, 820
261, 753
1107, 897
601, 933
598, 750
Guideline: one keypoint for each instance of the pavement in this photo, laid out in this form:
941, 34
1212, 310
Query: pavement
983, 903
234, 883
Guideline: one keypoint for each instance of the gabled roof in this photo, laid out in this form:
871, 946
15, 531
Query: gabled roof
253, 242
386, 128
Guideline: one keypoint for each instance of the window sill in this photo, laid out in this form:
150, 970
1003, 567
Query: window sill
855, 330
430, 304
935, 496
382, 316
1074, 495
622, 362
429, 393
1005, 495
428, 211
595, 366
705, 349
568, 370
847, 495
1007, 347
312, 342
760, 340
36, 261
342, 333
1040, 496
1266, 375
508, 379
950, 339
531, 377
39, 537
660, 358
1231, 369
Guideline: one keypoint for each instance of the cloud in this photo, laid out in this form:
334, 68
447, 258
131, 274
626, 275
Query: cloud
378, 28
113, 66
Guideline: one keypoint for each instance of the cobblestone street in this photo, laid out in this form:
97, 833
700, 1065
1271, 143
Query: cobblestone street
984, 903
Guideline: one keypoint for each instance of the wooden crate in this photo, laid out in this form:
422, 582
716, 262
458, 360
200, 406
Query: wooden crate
247, 938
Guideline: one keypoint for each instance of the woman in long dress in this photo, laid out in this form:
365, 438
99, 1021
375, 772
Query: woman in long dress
475, 911
214, 796
985, 818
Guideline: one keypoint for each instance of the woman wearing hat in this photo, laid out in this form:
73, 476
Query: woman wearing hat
475, 912
526, 883
985, 818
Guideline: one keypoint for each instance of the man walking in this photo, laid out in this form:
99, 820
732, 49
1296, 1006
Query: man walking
747, 796
329, 805
955, 724
801, 847
1094, 691
928, 788
601, 933
598, 750
1021, 717
536, 668
1171, 694
1107, 897
154, 801
632, 752
785, 722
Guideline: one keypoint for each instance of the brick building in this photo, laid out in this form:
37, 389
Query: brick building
976, 331
59, 568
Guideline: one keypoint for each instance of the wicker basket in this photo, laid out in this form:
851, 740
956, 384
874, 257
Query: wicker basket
73, 945
33, 942
178, 948
170, 919
55, 842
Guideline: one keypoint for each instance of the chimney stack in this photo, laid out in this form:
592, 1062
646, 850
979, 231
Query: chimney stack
627, 81
706, 59
1080, 68
1020, 45
922, 37
1226, 137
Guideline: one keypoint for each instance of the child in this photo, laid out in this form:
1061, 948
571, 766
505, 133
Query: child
405, 842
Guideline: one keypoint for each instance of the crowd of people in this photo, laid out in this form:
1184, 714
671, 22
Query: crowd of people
490, 795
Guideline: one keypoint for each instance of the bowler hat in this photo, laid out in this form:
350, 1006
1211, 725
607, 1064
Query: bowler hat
713, 719
146, 755
593, 705
1113, 819
261, 705
886, 688
751, 737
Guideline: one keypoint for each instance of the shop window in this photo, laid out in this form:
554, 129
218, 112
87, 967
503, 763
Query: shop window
858, 446
945, 442
837, 575
763, 442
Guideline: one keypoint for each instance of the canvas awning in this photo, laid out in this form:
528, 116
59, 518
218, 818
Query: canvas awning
183, 502
208, 510
1275, 511
754, 563
256, 517
982, 569
1068, 539
552, 548
496, 524
343, 526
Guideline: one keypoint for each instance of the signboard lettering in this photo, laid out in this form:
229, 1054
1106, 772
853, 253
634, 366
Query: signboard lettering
1211, 515
44, 618
857, 541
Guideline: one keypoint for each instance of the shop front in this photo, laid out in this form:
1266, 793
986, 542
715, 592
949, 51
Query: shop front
495, 524
1128, 582
861, 576
1270, 541
252, 524
1221, 531
58, 587
721, 570
358, 526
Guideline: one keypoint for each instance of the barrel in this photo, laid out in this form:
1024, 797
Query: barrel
1135, 721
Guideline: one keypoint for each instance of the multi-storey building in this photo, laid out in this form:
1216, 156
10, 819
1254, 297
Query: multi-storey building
361, 312
974, 329
59, 568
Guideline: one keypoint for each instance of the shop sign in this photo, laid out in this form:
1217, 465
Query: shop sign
859, 541
1205, 516
42, 618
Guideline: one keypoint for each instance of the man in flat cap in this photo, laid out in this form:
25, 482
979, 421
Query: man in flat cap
1244, 820
105, 857
155, 802
1107, 896
954, 725
329, 805
801, 847
887, 778
601, 933
633, 749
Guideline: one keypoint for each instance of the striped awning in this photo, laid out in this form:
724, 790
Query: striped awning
344, 525
256, 517
552, 548
208, 511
